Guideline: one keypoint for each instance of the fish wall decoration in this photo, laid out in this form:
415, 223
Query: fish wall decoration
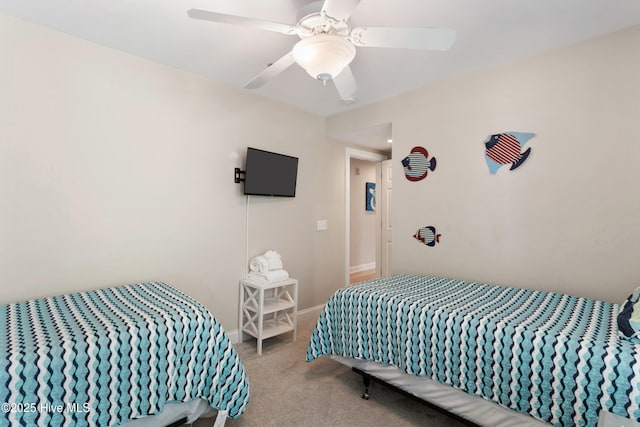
427, 235
506, 148
370, 196
417, 164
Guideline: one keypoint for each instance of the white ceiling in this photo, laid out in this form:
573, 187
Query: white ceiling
489, 32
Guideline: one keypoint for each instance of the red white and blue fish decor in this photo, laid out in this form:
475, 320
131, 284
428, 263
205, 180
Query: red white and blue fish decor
417, 164
427, 235
506, 148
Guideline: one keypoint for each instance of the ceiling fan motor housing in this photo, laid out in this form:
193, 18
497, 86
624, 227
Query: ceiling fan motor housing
311, 21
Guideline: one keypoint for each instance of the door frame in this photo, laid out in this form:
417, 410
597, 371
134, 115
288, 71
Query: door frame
384, 218
353, 153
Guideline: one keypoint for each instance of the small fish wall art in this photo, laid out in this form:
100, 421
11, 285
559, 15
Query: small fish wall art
506, 149
370, 196
417, 164
427, 235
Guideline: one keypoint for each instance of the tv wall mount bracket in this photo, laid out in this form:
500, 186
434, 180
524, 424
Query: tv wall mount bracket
238, 175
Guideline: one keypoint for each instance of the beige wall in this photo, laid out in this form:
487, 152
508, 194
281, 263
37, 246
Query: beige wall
362, 229
567, 220
115, 169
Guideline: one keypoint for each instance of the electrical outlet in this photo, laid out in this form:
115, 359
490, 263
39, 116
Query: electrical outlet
322, 225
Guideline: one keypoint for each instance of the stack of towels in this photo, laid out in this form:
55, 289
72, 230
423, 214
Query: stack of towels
267, 268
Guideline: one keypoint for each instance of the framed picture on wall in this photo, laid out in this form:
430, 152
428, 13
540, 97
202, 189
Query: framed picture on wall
370, 196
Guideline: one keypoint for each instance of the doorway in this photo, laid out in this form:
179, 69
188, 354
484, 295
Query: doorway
358, 197
363, 220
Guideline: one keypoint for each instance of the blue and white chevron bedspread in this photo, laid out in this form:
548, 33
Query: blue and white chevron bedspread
553, 356
104, 357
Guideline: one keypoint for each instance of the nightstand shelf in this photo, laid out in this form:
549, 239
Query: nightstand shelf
268, 309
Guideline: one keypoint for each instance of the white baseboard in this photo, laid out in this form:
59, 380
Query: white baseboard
362, 267
234, 336
311, 311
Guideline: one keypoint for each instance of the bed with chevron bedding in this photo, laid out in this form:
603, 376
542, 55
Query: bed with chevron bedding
112, 356
548, 357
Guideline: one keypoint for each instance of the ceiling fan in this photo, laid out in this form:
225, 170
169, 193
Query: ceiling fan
328, 43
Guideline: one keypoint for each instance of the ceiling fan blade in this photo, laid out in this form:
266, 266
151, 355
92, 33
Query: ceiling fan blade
207, 15
346, 85
271, 71
404, 38
338, 10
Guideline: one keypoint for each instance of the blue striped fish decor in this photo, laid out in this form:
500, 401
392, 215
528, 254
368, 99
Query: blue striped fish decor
417, 164
427, 235
506, 149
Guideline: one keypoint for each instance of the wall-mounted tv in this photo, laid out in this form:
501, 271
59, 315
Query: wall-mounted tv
270, 174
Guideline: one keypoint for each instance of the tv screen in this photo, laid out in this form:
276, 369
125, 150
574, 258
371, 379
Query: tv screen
270, 174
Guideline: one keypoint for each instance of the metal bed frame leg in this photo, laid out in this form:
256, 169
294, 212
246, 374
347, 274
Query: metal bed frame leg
367, 382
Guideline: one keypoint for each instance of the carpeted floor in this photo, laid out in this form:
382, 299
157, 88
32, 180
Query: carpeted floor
288, 391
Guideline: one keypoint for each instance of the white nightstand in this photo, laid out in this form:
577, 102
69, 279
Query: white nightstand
268, 309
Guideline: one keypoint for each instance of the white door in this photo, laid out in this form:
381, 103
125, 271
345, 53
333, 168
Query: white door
384, 207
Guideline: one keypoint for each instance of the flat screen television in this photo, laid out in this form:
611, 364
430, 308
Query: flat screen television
270, 174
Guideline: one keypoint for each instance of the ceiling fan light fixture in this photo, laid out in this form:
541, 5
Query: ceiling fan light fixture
324, 56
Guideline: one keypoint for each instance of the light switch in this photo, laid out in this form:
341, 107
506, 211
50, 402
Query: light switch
322, 225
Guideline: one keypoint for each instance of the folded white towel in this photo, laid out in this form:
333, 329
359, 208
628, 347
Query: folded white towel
272, 254
269, 276
259, 264
274, 259
275, 264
